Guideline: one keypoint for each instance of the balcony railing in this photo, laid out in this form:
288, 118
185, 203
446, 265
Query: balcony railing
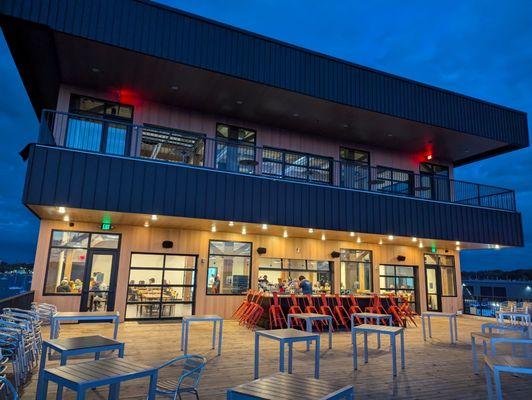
112, 136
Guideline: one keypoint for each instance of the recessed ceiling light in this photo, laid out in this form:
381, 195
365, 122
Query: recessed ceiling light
146, 224
359, 240
61, 210
239, 102
154, 217
95, 70
380, 241
323, 236
295, 115
285, 234
264, 227
351, 234
244, 230
458, 248
420, 245
414, 239
310, 230
174, 87
390, 135
390, 237
345, 126
66, 218
231, 223
213, 228
457, 243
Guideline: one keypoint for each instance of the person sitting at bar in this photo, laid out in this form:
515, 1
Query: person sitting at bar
281, 285
64, 287
305, 285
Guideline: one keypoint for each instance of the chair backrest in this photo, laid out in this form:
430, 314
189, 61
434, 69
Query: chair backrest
192, 370
353, 300
7, 388
508, 306
338, 300
525, 342
324, 302
310, 302
275, 299
293, 300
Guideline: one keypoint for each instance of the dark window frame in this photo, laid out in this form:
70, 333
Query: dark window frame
236, 140
161, 285
392, 182
88, 248
438, 266
359, 262
354, 161
415, 268
209, 264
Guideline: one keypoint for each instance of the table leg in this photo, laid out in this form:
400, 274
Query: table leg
390, 322
423, 328
153, 386
290, 348
114, 391
317, 359
330, 333
289, 322
365, 347
497, 379
474, 351
59, 395
42, 388
182, 333
352, 327
281, 356
213, 335
309, 329
489, 385
220, 329
451, 329
394, 355
430, 327
121, 351
378, 340
81, 395
187, 327
117, 322
42, 366
455, 329
256, 366
403, 365
355, 352
97, 355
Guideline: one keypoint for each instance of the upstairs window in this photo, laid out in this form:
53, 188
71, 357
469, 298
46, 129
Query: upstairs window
235, 149
294, 165
393, 180
354, 169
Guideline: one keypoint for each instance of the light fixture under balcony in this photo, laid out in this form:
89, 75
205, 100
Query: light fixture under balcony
497, 247
154, 217
414, 239
380, 241
231, 223
359, 240
285, 234
420, 245
264, 227
351, 234
458, 248
323, 236
390, 237
61, 210
146, 224
213, 228
66, 218
310, 230
457, 243
244, 230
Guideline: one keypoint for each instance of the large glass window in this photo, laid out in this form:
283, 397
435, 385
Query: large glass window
434, 182
229, 267
393, 180
294, 165
98, 125
160, 286
172, 145
235, 149
399, 280
355, 271
282, 275
65, 273
355, 168
445, 268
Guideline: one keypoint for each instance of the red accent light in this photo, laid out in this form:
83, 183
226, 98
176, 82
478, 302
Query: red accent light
428, 157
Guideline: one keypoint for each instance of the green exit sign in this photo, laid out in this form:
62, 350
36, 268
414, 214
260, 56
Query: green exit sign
106, 226
433, 249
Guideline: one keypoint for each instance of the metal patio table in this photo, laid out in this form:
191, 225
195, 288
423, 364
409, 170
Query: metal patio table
288, 336
524, 317
215, 319
453, 328
392, 331
80, 377
78, 345
369, 316
282, 386
309, 318
58, 317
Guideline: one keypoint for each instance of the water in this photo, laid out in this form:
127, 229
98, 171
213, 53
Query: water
13, 283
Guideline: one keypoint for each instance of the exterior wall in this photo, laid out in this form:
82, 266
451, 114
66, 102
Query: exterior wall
140, 239
147, 112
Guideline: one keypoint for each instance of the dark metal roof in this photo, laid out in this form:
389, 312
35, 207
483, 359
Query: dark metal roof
92, 181
175, 35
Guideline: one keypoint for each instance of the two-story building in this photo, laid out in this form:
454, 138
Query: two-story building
180, 160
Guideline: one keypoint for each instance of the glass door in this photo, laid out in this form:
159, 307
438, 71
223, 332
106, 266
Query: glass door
98, 292
433, 289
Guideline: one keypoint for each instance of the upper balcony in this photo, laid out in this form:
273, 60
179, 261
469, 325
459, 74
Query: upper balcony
175, 146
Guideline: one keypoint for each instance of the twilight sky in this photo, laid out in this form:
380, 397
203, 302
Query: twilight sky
479, 48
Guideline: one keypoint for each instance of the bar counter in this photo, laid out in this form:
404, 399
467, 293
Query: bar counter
285, 302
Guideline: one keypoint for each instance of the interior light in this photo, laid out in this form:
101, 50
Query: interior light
497, 247
414, 239
458, 248
352, 234
61, 210
244, 230
213, 228
380, 241
66, 218
390, 237
154, 217
285, 234
323, 236
146, 224
359, 240
420, 245
310, 230
264, 227
231, 223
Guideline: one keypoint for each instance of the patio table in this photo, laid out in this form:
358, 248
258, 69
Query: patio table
78, 345
309, 318
524, 317
281, 386
215, 319
451, 316
486, 337
56, 319
369, 316
392, 331
82, 376
288, 336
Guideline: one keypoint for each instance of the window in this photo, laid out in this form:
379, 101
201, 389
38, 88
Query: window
400, 280
229, 267
355, 271
448, 282
355, 156
434, 182
444, 265
276, 271
393, 180
99, 125
67, 258
294, 165
235, 149
499, 291
172, 145
355, 168
160, 286
486, 291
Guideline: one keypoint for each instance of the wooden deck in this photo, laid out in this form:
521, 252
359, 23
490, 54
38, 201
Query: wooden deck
434, 370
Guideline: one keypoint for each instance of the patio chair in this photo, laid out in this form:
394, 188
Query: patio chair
375, 305
341, 313
295, 309
7, 390
190, 368
326, 309
503, 363
276, 314
354, 307
311, 308
242, 307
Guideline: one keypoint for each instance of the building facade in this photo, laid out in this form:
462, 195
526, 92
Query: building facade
181, 162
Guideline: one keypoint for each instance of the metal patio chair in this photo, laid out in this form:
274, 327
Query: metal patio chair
190, 369
7, 390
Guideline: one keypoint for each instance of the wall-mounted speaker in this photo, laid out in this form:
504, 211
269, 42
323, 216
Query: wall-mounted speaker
335, 254
401, 258
168, 244
261, 250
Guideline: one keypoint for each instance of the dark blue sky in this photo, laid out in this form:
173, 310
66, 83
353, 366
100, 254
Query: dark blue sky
479, 48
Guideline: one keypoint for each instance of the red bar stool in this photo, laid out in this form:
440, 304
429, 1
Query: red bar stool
376, 305
245, 312
341, 313
354, 307
395, 311
295, 309
255, 313
277, 318
310, 308
405, 307
242, 307
325, 309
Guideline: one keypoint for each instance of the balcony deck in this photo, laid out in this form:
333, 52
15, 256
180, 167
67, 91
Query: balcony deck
434, 370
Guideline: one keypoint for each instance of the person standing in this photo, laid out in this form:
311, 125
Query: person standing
305, 285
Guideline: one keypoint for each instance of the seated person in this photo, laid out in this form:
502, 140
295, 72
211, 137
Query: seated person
64, 287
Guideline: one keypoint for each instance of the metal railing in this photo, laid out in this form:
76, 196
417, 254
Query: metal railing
22, 300
113, 136
486, 306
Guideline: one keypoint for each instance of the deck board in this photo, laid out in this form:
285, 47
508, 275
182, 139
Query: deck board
434, 370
